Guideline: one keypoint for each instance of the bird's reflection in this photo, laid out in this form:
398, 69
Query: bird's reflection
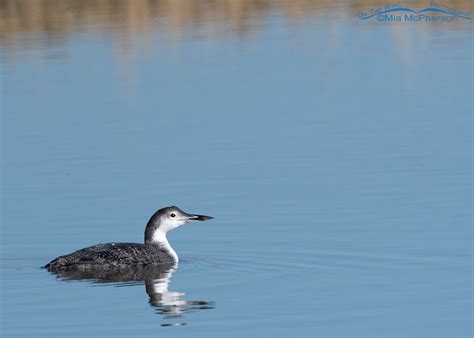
172, 305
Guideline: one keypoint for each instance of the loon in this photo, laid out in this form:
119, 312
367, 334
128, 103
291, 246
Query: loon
156, 249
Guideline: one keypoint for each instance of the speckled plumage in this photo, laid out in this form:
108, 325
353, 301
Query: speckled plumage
112, 255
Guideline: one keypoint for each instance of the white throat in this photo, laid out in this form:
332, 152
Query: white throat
159, 238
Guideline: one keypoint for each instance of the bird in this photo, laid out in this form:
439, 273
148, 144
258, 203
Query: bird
155, 250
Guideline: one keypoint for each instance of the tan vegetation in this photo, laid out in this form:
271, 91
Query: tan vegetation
57, 19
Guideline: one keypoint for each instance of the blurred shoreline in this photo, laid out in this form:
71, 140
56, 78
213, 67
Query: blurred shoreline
56, 20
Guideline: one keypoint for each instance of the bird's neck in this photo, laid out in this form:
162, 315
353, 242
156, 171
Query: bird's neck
159, 238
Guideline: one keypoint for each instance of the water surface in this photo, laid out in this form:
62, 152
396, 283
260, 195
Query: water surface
335, 155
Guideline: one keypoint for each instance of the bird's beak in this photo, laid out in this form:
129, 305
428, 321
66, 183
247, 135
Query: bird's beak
199, 218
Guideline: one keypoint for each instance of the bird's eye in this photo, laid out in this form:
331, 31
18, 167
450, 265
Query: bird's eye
172, 215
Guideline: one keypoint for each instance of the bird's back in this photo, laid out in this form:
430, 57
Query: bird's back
111, 255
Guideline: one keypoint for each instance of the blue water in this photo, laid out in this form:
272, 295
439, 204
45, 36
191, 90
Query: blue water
335, 155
